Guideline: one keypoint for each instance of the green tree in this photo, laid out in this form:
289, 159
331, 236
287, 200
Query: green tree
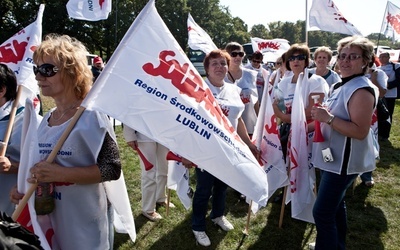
260, 31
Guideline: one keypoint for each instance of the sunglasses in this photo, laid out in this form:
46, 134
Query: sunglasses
298, 57
350, 57
235, 54
278, 63
46, 70
256, 61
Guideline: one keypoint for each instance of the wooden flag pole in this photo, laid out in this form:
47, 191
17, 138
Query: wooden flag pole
246, 229
168, 200
284, 195
50, 159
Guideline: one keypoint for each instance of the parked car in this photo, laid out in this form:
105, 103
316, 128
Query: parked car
197, 58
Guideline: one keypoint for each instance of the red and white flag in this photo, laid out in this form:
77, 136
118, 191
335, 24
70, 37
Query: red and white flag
17, 54
391, 23
301, 191
267, 140
89, 10
324, 15
271, 49
165, 99
198, 39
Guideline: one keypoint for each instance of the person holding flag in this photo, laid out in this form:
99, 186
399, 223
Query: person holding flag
297, 59
216, 64
345, 121
89, 156
245, 79
10, 162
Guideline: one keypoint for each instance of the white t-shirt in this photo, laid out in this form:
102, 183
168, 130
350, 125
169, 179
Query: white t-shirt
248, 96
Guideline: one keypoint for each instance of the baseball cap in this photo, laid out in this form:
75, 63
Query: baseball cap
97, 59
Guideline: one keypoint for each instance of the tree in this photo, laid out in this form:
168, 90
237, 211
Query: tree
259, 30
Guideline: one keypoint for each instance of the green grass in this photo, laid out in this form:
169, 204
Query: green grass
373, 213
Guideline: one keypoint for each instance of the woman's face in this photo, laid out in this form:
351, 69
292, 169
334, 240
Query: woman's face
236, 57
322, 60
350, 61
217, 68
297, 62
50, 85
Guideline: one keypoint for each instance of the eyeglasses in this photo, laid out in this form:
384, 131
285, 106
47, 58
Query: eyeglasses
235, 54
46, 70
350, 57
298, 57
256, 61
278, 63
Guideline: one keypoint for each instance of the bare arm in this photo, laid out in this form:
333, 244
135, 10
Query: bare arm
360, 106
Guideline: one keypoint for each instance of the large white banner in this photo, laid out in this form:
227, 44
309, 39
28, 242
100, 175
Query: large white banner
271, 49
90, 10
161, 95
198, 39
324, 15
391, 23
17, 54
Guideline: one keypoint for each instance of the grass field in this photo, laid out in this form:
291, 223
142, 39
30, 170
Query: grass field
373, 213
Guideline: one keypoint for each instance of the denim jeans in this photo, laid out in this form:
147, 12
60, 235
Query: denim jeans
367, 176
330, 211
207, 184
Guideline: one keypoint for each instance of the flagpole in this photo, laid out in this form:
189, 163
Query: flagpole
50, 159
306, 29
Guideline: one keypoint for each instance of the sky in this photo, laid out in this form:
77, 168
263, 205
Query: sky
365, 15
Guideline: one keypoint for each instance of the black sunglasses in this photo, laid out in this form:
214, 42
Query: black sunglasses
298, 57
46, 70
256, 61
235, 54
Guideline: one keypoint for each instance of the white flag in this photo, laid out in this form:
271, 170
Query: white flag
198, 39
300, 192
178, 180
164, 98
324, 15
267, 141
390, 26
17, 54
94, 10
271, 49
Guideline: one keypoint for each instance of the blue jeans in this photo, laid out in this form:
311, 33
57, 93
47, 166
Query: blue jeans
367, 176
330, 211
207, 184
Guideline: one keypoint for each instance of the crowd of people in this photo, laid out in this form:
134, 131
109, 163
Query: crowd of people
347, 102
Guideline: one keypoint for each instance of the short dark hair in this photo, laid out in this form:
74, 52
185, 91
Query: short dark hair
297, 48
257, 55
8, 80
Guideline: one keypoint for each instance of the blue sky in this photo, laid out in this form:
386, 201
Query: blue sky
366, 15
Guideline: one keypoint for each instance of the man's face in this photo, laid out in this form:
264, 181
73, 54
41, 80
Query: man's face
98, 65
384, 58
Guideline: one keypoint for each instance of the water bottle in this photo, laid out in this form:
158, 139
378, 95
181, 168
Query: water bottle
44, 198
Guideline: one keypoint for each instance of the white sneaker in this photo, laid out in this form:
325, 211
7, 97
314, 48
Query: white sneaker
223, 223
311, 246
202, 238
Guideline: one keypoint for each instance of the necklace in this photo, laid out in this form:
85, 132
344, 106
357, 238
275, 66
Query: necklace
65, 111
